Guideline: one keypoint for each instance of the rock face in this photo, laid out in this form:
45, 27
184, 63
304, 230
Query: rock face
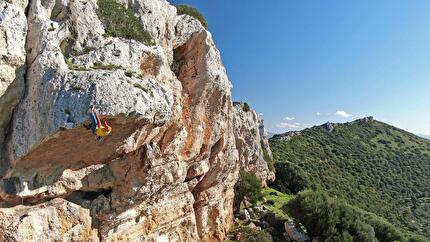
13, 31
166, 172
56, 220
252, 142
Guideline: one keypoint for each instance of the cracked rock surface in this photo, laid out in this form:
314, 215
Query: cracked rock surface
167, 170
252, 143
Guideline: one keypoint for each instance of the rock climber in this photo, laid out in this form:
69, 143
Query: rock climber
96, 125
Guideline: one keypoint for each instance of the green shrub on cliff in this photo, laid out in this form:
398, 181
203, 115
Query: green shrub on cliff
246, 107
121, 22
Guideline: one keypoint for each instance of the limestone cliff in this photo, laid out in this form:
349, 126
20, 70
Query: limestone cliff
252, 142
13, 31
167, 171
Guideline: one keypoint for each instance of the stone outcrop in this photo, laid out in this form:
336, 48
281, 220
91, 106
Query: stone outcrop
252, 142
56, 220
13, 32
295, 234
166, 172
287, 135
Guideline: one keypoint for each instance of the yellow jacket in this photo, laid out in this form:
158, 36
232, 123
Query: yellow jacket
103, 131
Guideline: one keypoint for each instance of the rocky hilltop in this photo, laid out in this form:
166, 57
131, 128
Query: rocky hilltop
167, 171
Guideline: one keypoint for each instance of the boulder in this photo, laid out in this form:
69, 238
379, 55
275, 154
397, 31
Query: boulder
295, 234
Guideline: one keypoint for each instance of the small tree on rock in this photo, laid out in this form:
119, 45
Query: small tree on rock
246, 107
248, 186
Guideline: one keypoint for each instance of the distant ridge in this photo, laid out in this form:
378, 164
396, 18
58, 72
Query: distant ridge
425, 136
329, 126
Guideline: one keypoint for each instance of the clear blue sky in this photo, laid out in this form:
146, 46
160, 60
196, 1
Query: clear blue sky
290, 58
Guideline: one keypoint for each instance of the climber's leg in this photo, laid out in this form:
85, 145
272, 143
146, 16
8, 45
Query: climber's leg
93, 122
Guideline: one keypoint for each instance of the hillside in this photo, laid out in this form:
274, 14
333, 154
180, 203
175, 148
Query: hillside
375, 166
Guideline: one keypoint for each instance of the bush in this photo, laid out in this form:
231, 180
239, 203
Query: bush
248, 186
290, 178
121, 22
246, 107
248, 234
193, 12
270, 202
334, 220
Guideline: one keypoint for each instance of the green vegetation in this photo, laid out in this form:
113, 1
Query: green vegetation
193, 12
140, 86
248, 186
100, 66
69, 62
274, 200
87, 50
371, 165
268, 158
334, 220
74, 67
248, 234
121, 22
290, 178
246, 107
129, 73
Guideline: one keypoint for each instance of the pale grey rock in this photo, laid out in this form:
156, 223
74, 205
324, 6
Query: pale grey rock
56, 220
295, 234
13, 28
58, 98
198, 169
86, 179
246, 214
264, 138
22, 4
159, 19
208, 120
328, 126
252, 143
13, 31
287, 135
186, 26
86, 29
